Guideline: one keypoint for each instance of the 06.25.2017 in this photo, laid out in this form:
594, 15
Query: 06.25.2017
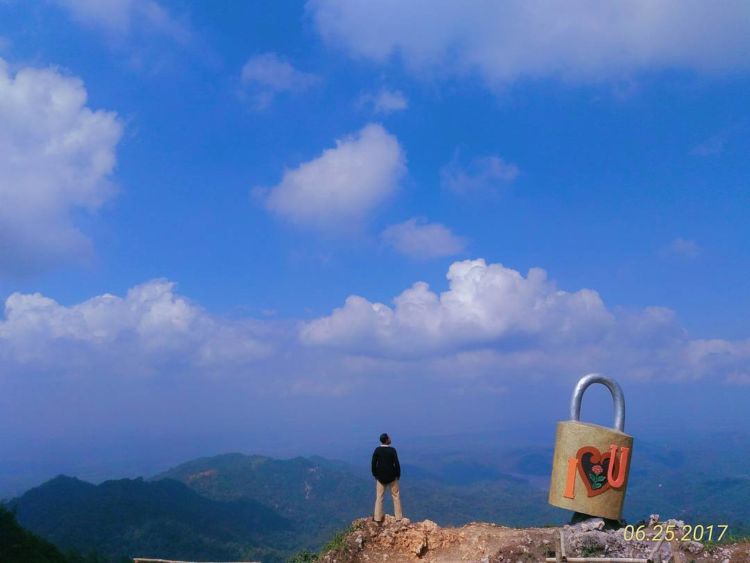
671, 532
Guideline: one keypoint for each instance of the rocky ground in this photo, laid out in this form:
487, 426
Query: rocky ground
489, 543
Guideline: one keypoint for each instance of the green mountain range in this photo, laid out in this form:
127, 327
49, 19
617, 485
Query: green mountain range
321, 496
133, 517
237, 506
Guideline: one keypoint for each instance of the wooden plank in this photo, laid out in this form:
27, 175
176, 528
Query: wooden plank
558, 549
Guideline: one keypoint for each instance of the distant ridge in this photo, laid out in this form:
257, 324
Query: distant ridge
164, 518
234, 506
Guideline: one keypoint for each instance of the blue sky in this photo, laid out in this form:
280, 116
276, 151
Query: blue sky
233, 173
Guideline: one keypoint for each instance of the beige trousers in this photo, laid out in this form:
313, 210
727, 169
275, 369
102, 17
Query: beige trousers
380, 495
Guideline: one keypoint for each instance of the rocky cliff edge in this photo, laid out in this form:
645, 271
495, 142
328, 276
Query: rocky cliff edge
402, 540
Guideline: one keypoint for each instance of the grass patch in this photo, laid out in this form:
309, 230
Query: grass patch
336, 543
728, 538
303, 556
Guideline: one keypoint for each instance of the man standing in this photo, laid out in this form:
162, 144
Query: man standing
387, 472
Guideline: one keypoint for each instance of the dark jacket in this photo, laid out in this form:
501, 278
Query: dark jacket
385, 467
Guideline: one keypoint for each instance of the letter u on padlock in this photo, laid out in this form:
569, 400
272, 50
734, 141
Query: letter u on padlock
591, 463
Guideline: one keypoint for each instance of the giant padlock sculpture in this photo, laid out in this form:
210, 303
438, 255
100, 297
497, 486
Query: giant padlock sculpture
591, 462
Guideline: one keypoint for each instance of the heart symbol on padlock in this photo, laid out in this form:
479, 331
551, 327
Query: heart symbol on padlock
593, 466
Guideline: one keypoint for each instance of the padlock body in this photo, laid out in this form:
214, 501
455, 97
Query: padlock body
580, 469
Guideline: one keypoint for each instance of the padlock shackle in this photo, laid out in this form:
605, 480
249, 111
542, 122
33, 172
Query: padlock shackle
617, 397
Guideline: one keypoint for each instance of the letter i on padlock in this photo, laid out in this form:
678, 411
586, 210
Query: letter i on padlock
591, 462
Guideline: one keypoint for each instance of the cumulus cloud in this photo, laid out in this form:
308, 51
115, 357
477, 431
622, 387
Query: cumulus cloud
422, 240
480, 174
266, 75
150, 329
494, 320
504, 41
386, 101
122, 16
56, 157
344, 184
484, 303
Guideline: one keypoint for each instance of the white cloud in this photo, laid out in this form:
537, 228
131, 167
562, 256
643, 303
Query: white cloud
386, 101
491, 322
484, 303
683, 248
582, 40
267, 75
483, 173
149, 329
344, 184
494, 321
717, 356
123, 16
56, 156
418, 239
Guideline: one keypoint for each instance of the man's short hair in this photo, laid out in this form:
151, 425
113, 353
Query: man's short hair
383, 438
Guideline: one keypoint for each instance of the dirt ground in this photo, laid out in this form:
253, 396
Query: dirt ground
425, 541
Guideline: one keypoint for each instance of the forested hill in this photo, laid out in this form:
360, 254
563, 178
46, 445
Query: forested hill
237, 506
131, 517
322, 496
21, 546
